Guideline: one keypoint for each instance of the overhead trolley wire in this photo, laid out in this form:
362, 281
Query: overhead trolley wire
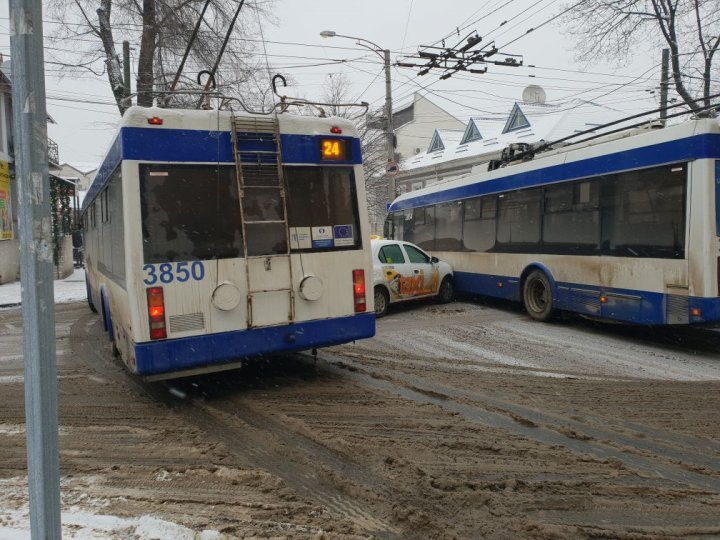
547, 21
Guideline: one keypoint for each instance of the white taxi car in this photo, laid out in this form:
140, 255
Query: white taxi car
402, 271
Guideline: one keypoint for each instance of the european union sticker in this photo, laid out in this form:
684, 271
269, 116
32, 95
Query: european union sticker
343, 235
322, 237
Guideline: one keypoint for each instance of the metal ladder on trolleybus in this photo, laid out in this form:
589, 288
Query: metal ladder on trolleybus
270, 296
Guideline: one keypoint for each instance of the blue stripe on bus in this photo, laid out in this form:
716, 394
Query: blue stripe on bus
202, 146
199, 351
633, 306
695, 147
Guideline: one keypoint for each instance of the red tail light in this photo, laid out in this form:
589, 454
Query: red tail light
156, 312
359, 290
155, 121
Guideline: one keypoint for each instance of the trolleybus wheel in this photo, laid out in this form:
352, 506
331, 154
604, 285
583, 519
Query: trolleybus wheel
537, 296
89, 295
382, 300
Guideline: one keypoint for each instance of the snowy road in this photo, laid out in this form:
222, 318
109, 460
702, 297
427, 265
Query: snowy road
463, 420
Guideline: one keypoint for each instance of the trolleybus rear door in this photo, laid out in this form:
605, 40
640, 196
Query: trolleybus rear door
256, 143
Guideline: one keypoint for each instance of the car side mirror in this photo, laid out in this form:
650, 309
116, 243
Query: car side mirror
434, 260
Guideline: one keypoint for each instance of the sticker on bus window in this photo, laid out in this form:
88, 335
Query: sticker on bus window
322, 237
343, 235
300, 238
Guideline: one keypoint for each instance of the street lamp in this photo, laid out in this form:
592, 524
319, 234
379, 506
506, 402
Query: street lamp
385, 55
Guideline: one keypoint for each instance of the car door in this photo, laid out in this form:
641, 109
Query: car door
394, 269
424, 279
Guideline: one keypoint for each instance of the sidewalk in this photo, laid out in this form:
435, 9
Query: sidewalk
70, 289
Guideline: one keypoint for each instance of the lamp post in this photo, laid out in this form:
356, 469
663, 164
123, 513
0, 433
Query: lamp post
385, 55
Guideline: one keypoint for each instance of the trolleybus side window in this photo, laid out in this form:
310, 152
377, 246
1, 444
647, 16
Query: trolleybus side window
479, 223
190, 212
647, 217
322, 208
571, 223
111, 235
519, 221
421, 229
448, 226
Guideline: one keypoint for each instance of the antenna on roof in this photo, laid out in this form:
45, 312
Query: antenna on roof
534, 94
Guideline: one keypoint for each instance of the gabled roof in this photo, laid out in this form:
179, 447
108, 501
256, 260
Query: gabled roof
81, 167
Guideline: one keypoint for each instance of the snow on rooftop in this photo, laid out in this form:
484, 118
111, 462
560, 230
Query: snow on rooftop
84, 167
538, 122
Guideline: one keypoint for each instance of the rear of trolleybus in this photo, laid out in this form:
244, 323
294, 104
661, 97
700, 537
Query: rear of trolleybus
247, 236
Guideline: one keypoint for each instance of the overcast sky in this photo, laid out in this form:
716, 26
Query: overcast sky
294, 45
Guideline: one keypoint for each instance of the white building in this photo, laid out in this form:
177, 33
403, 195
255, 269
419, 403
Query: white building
82, 174
9, 230
450, 155
415, 122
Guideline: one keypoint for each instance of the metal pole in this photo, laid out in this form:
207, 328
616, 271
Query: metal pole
36, 262
126, 70
664, 84
389, 125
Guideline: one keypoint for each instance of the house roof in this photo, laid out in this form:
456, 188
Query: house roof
544, 123
81, 167
5, 69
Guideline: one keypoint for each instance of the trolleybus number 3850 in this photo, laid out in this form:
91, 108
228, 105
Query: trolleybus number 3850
165, 272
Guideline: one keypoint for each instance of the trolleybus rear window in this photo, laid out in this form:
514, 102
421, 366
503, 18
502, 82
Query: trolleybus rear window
189, 212
322, 208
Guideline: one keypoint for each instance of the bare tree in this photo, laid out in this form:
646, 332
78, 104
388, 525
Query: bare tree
160, 29
690, 29
337, 90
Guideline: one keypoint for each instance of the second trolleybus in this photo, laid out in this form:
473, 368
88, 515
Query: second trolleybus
625, 228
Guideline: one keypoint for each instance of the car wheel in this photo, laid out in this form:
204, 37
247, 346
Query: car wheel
537, 296
446, 292
382, 301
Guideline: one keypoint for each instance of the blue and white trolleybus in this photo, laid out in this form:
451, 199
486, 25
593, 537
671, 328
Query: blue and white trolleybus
213, 236
625, 227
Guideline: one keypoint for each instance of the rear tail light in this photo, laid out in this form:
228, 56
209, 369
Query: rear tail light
359, 290
156, 312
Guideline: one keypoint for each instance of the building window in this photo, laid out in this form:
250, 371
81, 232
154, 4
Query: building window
472, 133
516, 121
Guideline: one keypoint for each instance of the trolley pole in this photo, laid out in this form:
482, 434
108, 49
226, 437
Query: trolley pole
36, 261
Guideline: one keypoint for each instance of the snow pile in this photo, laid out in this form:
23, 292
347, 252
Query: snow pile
85, 525
70, 289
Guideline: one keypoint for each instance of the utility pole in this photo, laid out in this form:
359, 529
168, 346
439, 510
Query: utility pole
389, 135
664, 84
389, 131
126, 72
36, 263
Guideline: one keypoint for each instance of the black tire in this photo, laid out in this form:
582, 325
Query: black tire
382, 301
446, 292
537, 296
89, 296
